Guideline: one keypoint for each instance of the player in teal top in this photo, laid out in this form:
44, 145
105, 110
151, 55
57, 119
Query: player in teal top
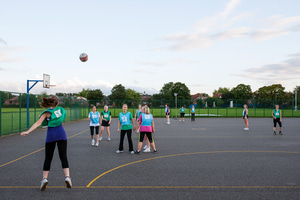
245, 117
105, 122
137, 114
126, 123
182, 113
276, 113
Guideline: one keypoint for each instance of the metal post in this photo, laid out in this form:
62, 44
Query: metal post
175, 94
296, 99
28, 89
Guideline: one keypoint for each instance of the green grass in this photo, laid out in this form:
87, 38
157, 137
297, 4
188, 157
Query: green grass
12, 120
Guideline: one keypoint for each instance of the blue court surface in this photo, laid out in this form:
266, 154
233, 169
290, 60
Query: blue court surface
211, 158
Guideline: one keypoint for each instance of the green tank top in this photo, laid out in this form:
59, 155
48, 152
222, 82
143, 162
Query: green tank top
58, 115
106, 115
276, 113
182, 110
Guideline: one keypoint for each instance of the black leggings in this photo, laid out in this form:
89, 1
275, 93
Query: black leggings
62, 151
277, 120
123, 133
92, 129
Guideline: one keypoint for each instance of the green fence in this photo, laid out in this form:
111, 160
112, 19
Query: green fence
13, 112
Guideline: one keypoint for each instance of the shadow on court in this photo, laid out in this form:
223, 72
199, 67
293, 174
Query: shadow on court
211, 158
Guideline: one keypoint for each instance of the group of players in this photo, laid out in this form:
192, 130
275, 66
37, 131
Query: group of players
54, 115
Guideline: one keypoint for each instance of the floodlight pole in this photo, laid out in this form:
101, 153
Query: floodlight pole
296, 99
175, 94
28, 89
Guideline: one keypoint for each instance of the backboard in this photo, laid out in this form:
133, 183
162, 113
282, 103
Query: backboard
46, 81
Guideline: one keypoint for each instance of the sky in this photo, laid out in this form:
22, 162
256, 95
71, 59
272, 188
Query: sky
145, 44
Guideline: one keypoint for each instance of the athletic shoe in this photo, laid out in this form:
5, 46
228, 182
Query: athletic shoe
108, 139
44, 183
97, 144
132, 152
93, 142
137, 152
147, 150
145, 147
118, 151
183, 120
246, 129
68, 182
280, 133
100, 138
155, 151
274, 133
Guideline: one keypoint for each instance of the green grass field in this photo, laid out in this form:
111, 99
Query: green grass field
15, 120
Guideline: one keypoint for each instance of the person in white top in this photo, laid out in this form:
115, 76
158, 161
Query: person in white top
94, 117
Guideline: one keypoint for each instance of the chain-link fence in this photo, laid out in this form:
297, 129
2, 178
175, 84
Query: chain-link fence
13, 112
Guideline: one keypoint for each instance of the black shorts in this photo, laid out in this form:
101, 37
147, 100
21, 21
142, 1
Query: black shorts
142, 135
277, 120
105, 123
92, 129
167, 113
246, 117
182, 114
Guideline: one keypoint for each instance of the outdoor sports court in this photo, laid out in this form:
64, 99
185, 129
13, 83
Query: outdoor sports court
211, 158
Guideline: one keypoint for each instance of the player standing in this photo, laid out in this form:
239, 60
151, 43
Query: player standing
94, 117
276, 113
245, 117
105, 120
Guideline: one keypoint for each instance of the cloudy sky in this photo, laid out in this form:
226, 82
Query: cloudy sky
144, 44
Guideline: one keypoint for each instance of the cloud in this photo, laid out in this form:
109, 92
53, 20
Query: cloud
284, 72
6, 54
166, 63
226, 26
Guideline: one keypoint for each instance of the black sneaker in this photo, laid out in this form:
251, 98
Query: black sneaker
137, 152
155, 151
280, 133
274, 133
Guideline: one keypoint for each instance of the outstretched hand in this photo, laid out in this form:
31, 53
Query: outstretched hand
24, 133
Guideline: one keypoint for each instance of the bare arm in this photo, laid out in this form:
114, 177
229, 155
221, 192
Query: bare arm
35, 125
119, 125
133, 124
153, 127
138, 126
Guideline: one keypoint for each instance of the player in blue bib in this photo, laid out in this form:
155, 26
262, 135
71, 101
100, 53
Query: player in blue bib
56, 135
94, 117
126, 123
167, 111
193, 113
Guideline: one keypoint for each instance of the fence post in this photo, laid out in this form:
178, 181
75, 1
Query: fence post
20, 113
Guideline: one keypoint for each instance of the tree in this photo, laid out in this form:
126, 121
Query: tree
227, 95
269, 94
183, 92
242, 91
166, 91
131, 96
221, 90
117, 94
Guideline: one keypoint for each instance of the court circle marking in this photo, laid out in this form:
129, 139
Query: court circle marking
186, 154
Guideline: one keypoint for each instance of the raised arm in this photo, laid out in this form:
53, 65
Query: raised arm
35, 125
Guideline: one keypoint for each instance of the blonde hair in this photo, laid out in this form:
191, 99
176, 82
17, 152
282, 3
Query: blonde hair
124, 105
49, 102
147, 109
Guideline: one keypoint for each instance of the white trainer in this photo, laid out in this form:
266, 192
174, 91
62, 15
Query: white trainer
100, 138
44, 183
68, 182
93, 142
118, 151
147, 150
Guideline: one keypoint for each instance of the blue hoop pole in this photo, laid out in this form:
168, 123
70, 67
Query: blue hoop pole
28, 89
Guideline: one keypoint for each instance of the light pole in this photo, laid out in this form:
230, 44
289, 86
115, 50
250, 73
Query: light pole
276, 98
175, 94
296, 99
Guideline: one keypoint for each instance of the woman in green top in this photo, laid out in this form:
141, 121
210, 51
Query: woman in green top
105, 120
182, 112
276, 113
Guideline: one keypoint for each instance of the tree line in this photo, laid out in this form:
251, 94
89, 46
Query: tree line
120, 94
